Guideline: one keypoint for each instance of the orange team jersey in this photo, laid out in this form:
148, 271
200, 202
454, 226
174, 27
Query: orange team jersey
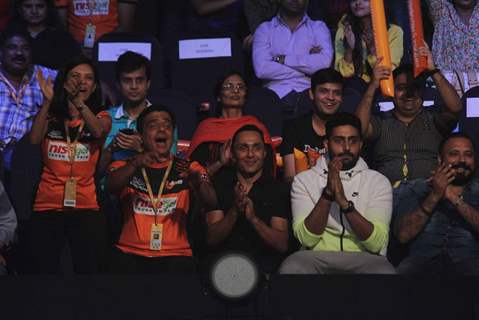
57, 167
103, 14
139, 216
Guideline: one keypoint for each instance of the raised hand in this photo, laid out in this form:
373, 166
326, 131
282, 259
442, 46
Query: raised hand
129, 141
334, 180
380, 72
249, 209
441, 179
424, 51
349, 36
72, 86
334, 167
225, 152
239, 198
46, 86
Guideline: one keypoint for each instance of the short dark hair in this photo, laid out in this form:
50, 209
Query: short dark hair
14, 31
455, 135
269, 160
150, 109
404, 68
417, 83
328, 75
247, 127
130, 61
343, 119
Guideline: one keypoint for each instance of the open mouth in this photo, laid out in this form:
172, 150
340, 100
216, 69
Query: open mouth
161, 141
329, 105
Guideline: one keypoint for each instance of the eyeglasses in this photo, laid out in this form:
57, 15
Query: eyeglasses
233, 87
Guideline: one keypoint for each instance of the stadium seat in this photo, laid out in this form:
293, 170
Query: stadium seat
198, 76
111, 45
182, 106
469, 119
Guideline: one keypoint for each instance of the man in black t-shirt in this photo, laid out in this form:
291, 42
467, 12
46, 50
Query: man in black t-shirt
303, 138
253, 207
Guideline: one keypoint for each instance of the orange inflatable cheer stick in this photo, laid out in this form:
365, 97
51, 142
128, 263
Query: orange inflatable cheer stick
382, 43
415, 18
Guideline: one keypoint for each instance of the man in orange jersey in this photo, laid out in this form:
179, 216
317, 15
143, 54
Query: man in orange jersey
155, 189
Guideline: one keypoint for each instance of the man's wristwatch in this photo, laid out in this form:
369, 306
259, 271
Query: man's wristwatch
433, 72
348, 209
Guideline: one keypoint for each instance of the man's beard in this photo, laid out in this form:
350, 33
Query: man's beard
462, 178
348, 165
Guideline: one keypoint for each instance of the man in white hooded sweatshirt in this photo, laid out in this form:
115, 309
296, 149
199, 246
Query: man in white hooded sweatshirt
341, 209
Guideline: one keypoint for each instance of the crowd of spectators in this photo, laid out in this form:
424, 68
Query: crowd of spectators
346, 187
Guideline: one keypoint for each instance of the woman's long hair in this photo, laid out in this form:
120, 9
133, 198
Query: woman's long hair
219, 87
51, 21
59, 105
359, 60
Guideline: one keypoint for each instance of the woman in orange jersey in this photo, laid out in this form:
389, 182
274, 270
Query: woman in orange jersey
155, 192
71, 128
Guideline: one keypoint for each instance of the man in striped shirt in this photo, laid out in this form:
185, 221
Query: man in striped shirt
406, 139
20, 94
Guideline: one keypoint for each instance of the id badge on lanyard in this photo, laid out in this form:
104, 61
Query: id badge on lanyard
90, 28
156, 236
70, 198
70, 195
90, 32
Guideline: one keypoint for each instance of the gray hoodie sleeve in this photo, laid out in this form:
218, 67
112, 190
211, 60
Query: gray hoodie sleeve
8, 219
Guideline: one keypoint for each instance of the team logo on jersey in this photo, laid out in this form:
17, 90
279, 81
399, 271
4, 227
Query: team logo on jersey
85, 8
137, 183
171, 184
58, 150
313, 154
143, 206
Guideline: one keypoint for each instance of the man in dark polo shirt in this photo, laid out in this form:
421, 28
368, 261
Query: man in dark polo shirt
439, 217
253, 206
406, 139
307, 133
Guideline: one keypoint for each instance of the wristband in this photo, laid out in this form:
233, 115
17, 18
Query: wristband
433, 72
350, 208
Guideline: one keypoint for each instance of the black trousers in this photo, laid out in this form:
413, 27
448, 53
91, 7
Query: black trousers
133, 264
85, 231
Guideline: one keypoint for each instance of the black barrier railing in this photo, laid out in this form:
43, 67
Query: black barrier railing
281, 297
